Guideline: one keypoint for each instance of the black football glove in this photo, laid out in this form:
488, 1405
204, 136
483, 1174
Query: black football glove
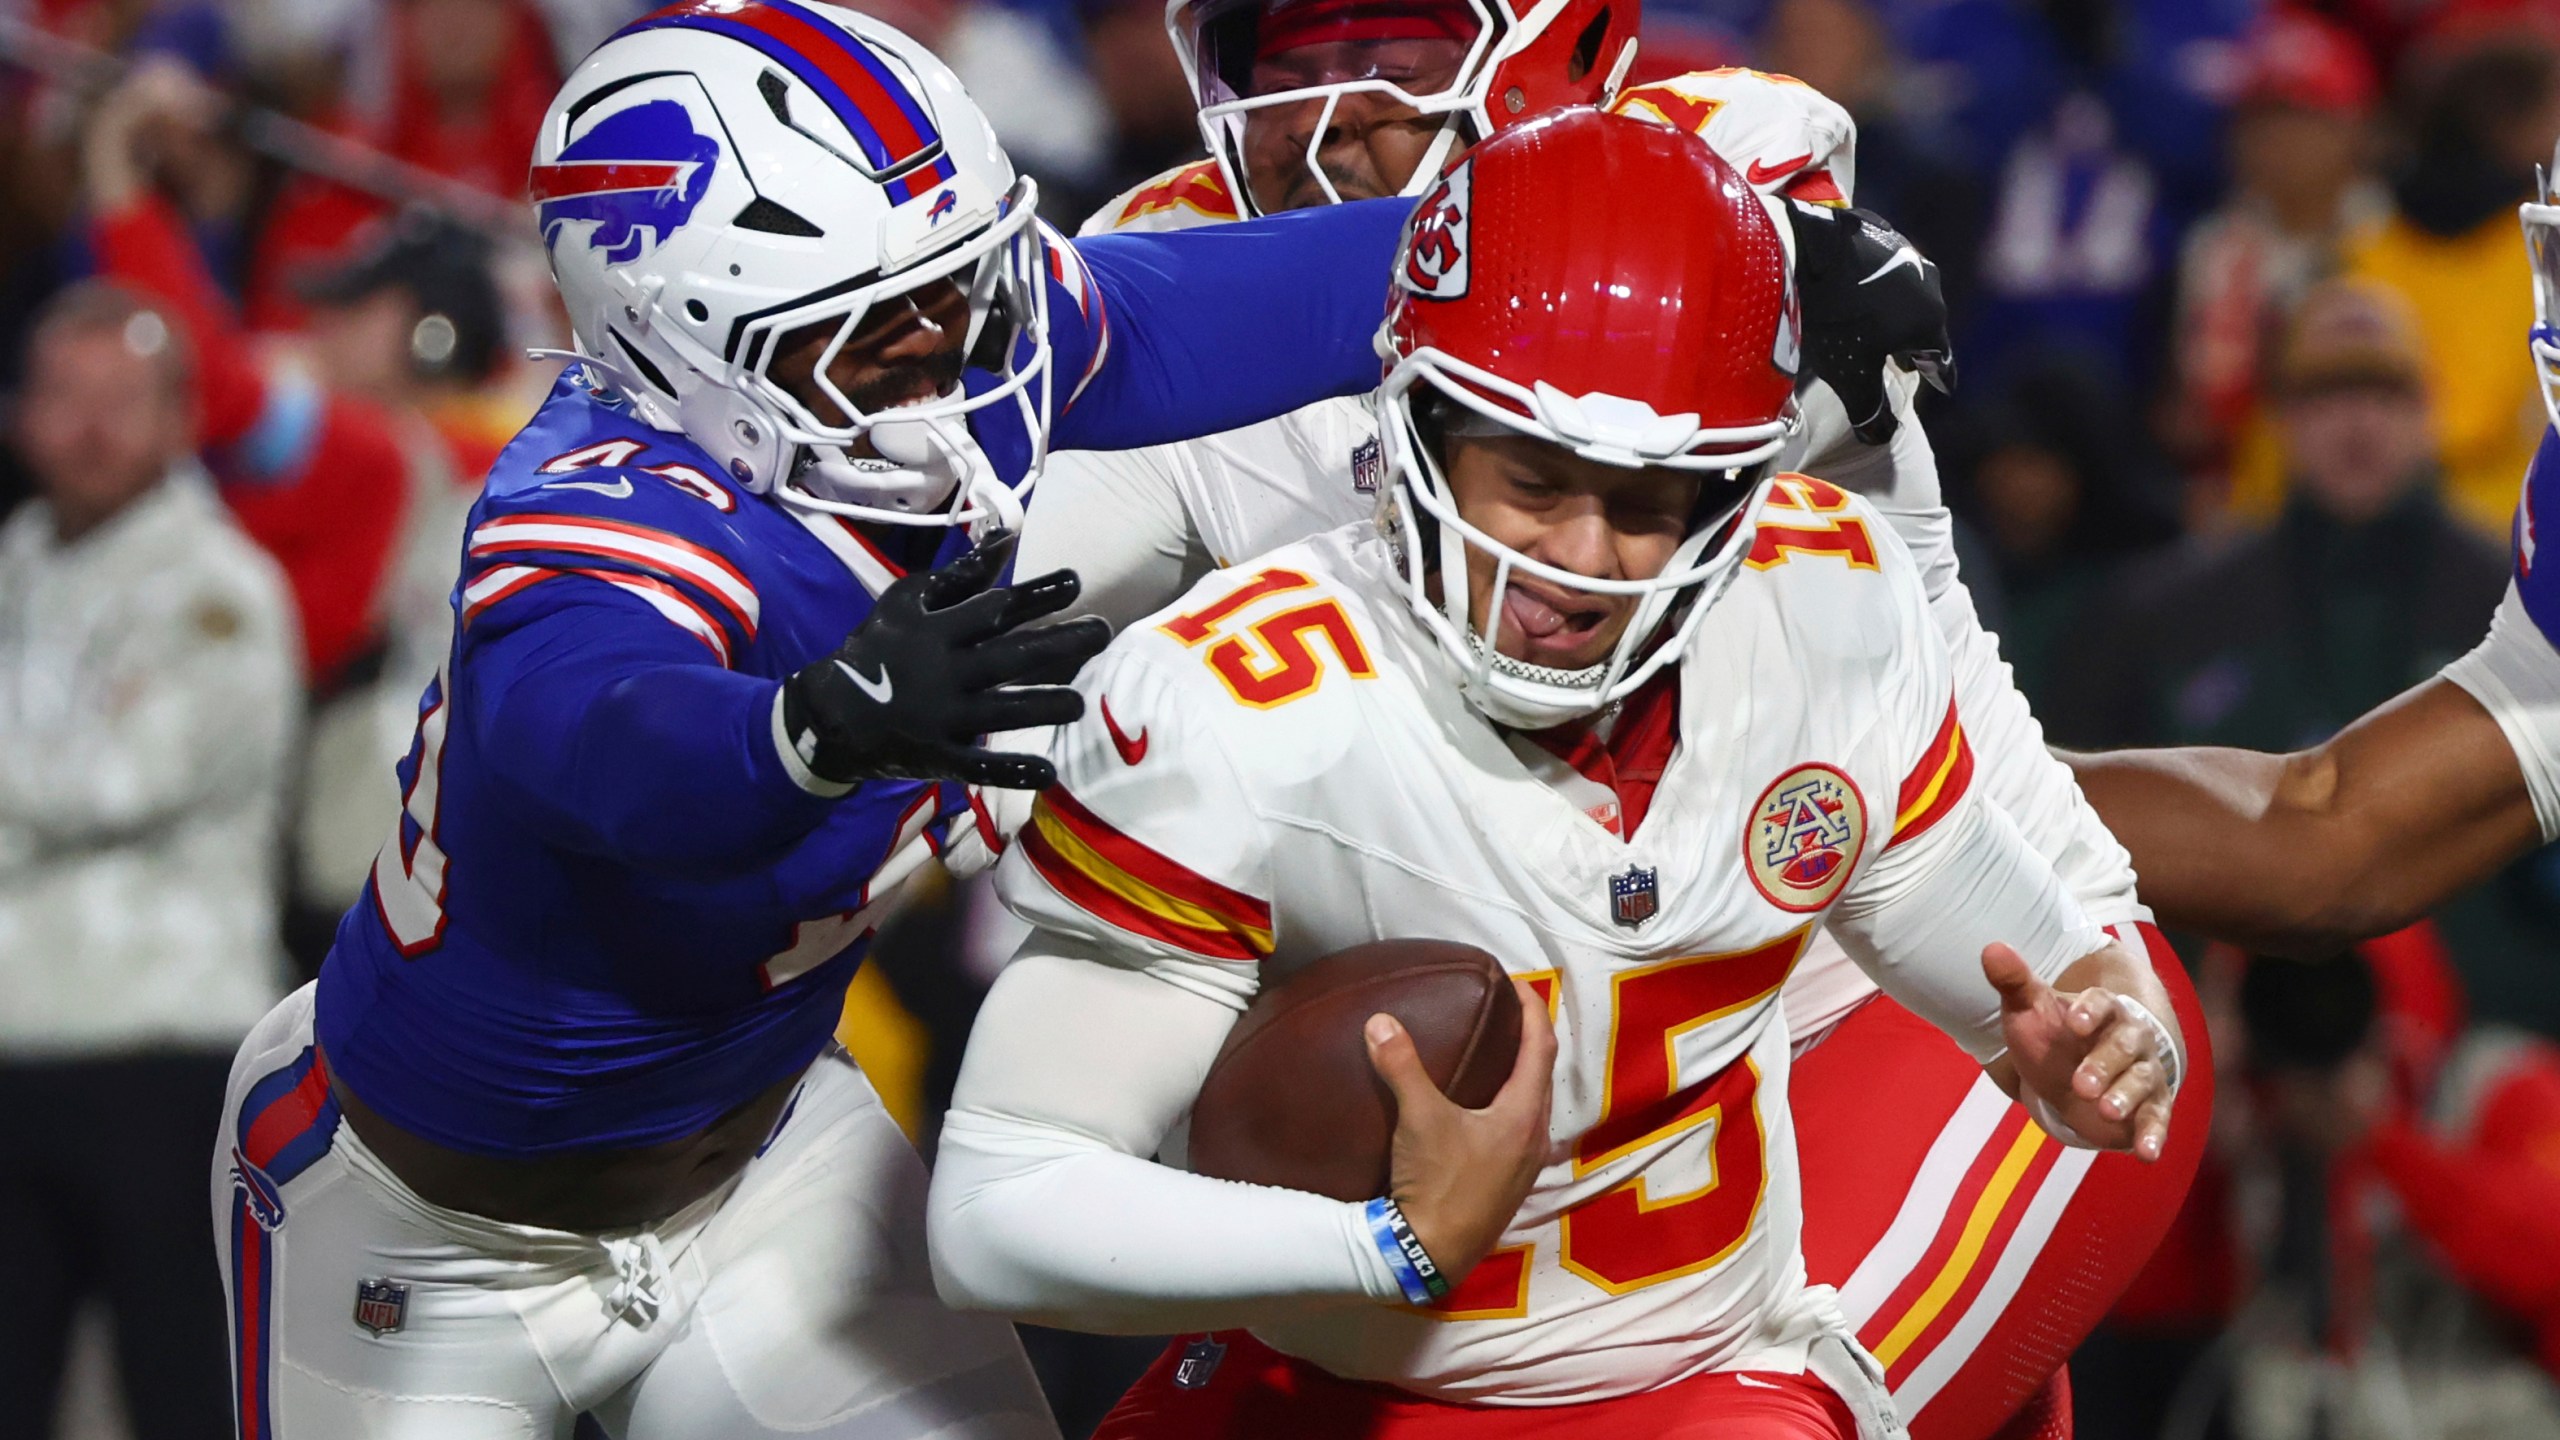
941, 663
1869, 296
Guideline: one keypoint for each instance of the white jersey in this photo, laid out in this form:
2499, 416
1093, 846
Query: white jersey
1284, 765
1139, 526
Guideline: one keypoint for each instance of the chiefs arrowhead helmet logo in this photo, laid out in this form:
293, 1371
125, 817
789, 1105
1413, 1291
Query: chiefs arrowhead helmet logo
1435, 252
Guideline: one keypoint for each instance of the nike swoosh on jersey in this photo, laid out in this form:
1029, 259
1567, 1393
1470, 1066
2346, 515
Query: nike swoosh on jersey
1131, 751
879, 690
1760, 174
617, 490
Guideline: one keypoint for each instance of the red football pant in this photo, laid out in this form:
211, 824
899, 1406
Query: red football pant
1972, 1253
1252, 1392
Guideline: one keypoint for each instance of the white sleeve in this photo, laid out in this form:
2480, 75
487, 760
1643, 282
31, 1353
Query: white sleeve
2017, 772
1116, 518
1918, 918
2515, 675
1954, 874
1044, 1204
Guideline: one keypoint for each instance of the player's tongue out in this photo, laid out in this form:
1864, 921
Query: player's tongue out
1549, 630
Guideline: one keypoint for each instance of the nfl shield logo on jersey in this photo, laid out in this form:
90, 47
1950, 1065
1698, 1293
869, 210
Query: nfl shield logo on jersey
382, 1306
1199, 1361
1366, 467
1633, 897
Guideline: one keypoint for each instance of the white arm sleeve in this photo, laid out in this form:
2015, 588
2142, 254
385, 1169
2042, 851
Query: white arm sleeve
1115, 518
1044, 1204
2017, 772
2515, 675
1918, 918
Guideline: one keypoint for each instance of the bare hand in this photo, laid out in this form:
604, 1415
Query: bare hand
157, 93
1459, 1175
2079, 1053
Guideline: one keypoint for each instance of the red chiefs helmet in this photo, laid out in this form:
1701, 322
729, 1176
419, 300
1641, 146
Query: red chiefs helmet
1478, 64
1609, 286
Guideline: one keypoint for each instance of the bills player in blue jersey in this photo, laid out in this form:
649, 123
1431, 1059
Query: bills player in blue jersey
2424, 797
559, 1130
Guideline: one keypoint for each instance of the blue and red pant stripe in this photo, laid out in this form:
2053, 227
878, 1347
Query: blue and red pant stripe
287, 1121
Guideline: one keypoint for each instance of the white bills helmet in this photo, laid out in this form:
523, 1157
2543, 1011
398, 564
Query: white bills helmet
2541, 217
725, 176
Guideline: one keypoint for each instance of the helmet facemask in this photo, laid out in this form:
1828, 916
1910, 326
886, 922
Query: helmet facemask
1431, 397
1247, 57
925, 467
2541, 219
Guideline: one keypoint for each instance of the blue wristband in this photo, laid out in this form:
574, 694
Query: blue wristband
1416, 1274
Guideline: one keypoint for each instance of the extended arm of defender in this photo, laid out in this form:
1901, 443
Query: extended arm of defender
1206, 330
2415, 802
1045, 1203
2307, 852
619, 737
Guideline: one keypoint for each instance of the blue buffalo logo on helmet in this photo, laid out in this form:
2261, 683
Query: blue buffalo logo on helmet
636, 177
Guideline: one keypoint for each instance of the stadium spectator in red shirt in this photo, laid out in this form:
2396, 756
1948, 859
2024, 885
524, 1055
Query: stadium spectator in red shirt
316, 477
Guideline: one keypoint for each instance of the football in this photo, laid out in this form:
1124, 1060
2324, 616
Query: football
1291, 1099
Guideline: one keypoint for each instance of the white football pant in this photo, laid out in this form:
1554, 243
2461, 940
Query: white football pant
796, 1300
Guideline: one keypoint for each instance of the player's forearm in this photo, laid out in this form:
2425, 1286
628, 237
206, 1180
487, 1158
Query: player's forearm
619, 749
1045, 1205
1229, 324
1043, 1225
1918, 920
2311, 851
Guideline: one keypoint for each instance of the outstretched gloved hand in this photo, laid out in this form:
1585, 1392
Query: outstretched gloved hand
944, 660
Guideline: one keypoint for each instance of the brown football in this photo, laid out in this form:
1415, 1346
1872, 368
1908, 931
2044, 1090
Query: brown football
1291, 1099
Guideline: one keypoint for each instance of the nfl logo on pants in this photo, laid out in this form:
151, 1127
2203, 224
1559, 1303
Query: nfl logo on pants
382, 1306
1632, 897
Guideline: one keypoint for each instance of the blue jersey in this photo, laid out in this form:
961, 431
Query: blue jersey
2536, 536
611, 912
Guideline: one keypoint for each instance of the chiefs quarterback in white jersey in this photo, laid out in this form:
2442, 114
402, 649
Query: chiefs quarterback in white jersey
1594, 581
1305, 102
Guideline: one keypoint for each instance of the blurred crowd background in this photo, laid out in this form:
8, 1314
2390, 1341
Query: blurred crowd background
2240, 301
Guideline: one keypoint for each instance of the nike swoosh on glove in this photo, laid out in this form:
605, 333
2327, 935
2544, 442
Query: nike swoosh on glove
1869, 296
946, 658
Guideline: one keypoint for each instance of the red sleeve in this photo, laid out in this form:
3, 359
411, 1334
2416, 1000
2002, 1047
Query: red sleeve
331, 519
333, 526
2495, 1219
310, 223
146, 246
